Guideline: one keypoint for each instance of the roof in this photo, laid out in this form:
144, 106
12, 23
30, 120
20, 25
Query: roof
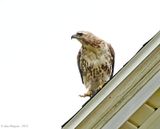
125, 93
147, 116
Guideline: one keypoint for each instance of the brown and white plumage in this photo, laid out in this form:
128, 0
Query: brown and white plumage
95, 61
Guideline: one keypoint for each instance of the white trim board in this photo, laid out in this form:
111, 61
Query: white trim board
134, 103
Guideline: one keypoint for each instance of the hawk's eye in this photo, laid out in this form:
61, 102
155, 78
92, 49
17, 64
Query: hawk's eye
79, 34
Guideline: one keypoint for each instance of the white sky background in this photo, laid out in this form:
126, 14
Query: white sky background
39, 78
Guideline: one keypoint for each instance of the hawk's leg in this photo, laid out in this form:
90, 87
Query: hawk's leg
89, 93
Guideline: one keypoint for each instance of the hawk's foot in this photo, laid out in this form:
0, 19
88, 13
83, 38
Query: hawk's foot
100, 87
88, 94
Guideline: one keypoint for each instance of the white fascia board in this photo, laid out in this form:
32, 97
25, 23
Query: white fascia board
118, 78
123, 114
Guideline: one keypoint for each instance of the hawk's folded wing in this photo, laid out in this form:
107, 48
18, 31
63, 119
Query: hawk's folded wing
78, 62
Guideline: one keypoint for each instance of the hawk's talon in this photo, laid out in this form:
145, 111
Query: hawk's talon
99, 88
88, 94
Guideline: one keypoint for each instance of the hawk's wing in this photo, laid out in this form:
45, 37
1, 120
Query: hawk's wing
113, 58
79, 67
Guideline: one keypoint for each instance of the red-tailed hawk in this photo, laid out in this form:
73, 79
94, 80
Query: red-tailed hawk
95, 61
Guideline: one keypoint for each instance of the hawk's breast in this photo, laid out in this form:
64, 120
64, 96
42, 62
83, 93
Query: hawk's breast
95, 69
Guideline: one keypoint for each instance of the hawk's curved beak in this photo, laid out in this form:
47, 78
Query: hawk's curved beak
74, 36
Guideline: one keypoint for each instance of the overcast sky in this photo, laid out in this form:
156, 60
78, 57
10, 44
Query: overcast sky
39, 78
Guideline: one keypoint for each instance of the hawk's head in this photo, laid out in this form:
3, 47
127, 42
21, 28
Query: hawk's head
88, 39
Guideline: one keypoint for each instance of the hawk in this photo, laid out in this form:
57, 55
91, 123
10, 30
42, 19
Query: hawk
95, 61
